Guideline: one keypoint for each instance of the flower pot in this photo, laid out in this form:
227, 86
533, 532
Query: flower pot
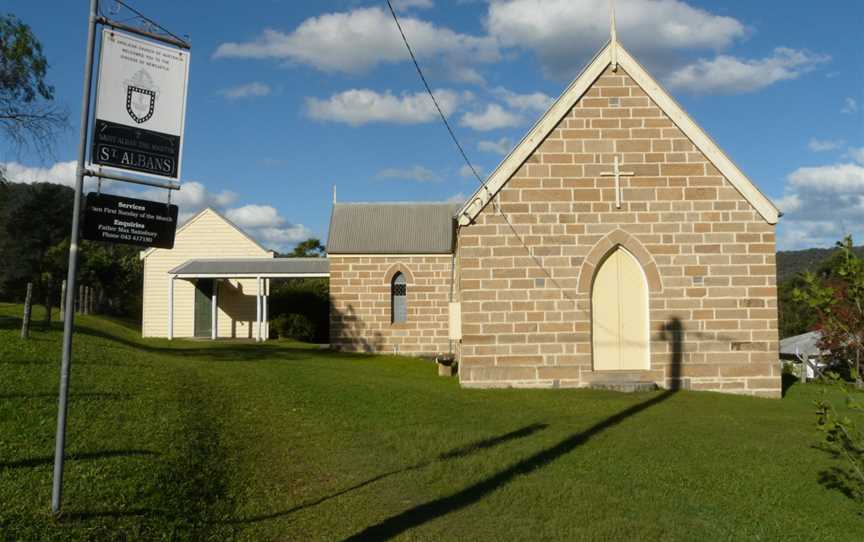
446, 370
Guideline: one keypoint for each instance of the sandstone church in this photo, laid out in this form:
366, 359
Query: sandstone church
615, 242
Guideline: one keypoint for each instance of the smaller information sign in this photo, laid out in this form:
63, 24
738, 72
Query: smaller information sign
116, 219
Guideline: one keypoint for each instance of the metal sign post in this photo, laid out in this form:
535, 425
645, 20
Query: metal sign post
81, 172
71, 277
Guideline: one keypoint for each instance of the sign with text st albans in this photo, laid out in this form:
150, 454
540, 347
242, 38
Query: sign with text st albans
140, 105
129, 221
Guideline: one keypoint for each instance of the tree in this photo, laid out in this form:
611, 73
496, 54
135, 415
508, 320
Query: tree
34, 239
795, 317
118, 274
310, 248
837, 300
836, 296
34, 230
28, 116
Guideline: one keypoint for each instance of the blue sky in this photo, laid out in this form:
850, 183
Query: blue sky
288, 98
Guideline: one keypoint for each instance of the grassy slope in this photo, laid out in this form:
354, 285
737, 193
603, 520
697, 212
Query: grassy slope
279, 441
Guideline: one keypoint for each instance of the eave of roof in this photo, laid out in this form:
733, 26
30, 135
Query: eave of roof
235, 267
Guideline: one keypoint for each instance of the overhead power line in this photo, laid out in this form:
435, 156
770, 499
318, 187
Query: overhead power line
538, 261
432, 94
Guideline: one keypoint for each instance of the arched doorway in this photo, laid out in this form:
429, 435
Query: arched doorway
619, 314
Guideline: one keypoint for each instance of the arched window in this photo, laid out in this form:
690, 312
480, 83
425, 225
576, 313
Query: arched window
398, 299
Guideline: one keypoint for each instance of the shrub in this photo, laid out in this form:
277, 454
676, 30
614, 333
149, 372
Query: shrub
293, 326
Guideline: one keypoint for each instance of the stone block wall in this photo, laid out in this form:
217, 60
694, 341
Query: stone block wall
708, 255
360, 311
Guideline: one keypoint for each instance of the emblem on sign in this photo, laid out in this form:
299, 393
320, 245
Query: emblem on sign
141, 96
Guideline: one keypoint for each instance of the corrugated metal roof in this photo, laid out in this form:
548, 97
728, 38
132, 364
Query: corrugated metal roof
806, 344
392, 228
254, 266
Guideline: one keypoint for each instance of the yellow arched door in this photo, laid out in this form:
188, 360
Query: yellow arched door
619, 314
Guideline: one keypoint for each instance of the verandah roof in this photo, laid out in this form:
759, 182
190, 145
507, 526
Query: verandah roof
253, 267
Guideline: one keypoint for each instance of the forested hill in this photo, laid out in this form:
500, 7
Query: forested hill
791, 262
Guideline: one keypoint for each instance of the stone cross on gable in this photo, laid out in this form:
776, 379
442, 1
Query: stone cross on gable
616, 171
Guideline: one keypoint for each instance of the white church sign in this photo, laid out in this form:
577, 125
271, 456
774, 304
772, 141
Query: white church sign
140, 105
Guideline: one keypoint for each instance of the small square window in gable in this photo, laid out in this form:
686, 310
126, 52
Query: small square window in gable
614, 101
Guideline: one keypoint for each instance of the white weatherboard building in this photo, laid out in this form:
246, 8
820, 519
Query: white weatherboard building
215, 282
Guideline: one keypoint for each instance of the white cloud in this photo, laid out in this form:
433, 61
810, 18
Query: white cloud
358, 40
249, 90
254, 216
838, 179
491, 118
415, 173
466, 173
502, 146
534, 101
857, 154
403, 5
822, 145
850, 106
726, 74
563, 33
191, 198
362, 106
281, 239
464, 74
59, 173
265, 224
822, 204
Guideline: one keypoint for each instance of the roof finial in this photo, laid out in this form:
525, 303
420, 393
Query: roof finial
334, 194
613, 43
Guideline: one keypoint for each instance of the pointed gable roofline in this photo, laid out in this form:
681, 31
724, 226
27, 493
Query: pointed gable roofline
538, 133
198, 215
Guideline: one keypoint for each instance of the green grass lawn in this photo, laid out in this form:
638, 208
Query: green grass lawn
193, 440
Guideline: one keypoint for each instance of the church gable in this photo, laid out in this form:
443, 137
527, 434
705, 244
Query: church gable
208, 231
686, 231
616, 121
610, 111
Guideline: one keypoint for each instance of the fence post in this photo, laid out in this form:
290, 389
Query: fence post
62, 300
28, 300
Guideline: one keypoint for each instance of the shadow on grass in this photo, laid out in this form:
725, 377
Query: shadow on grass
218, 351
27, 362
398, 524
455, 453
53, 395
418, 515
841, 479
78, 456
188, 496
788, 380
13, 322
115, 514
